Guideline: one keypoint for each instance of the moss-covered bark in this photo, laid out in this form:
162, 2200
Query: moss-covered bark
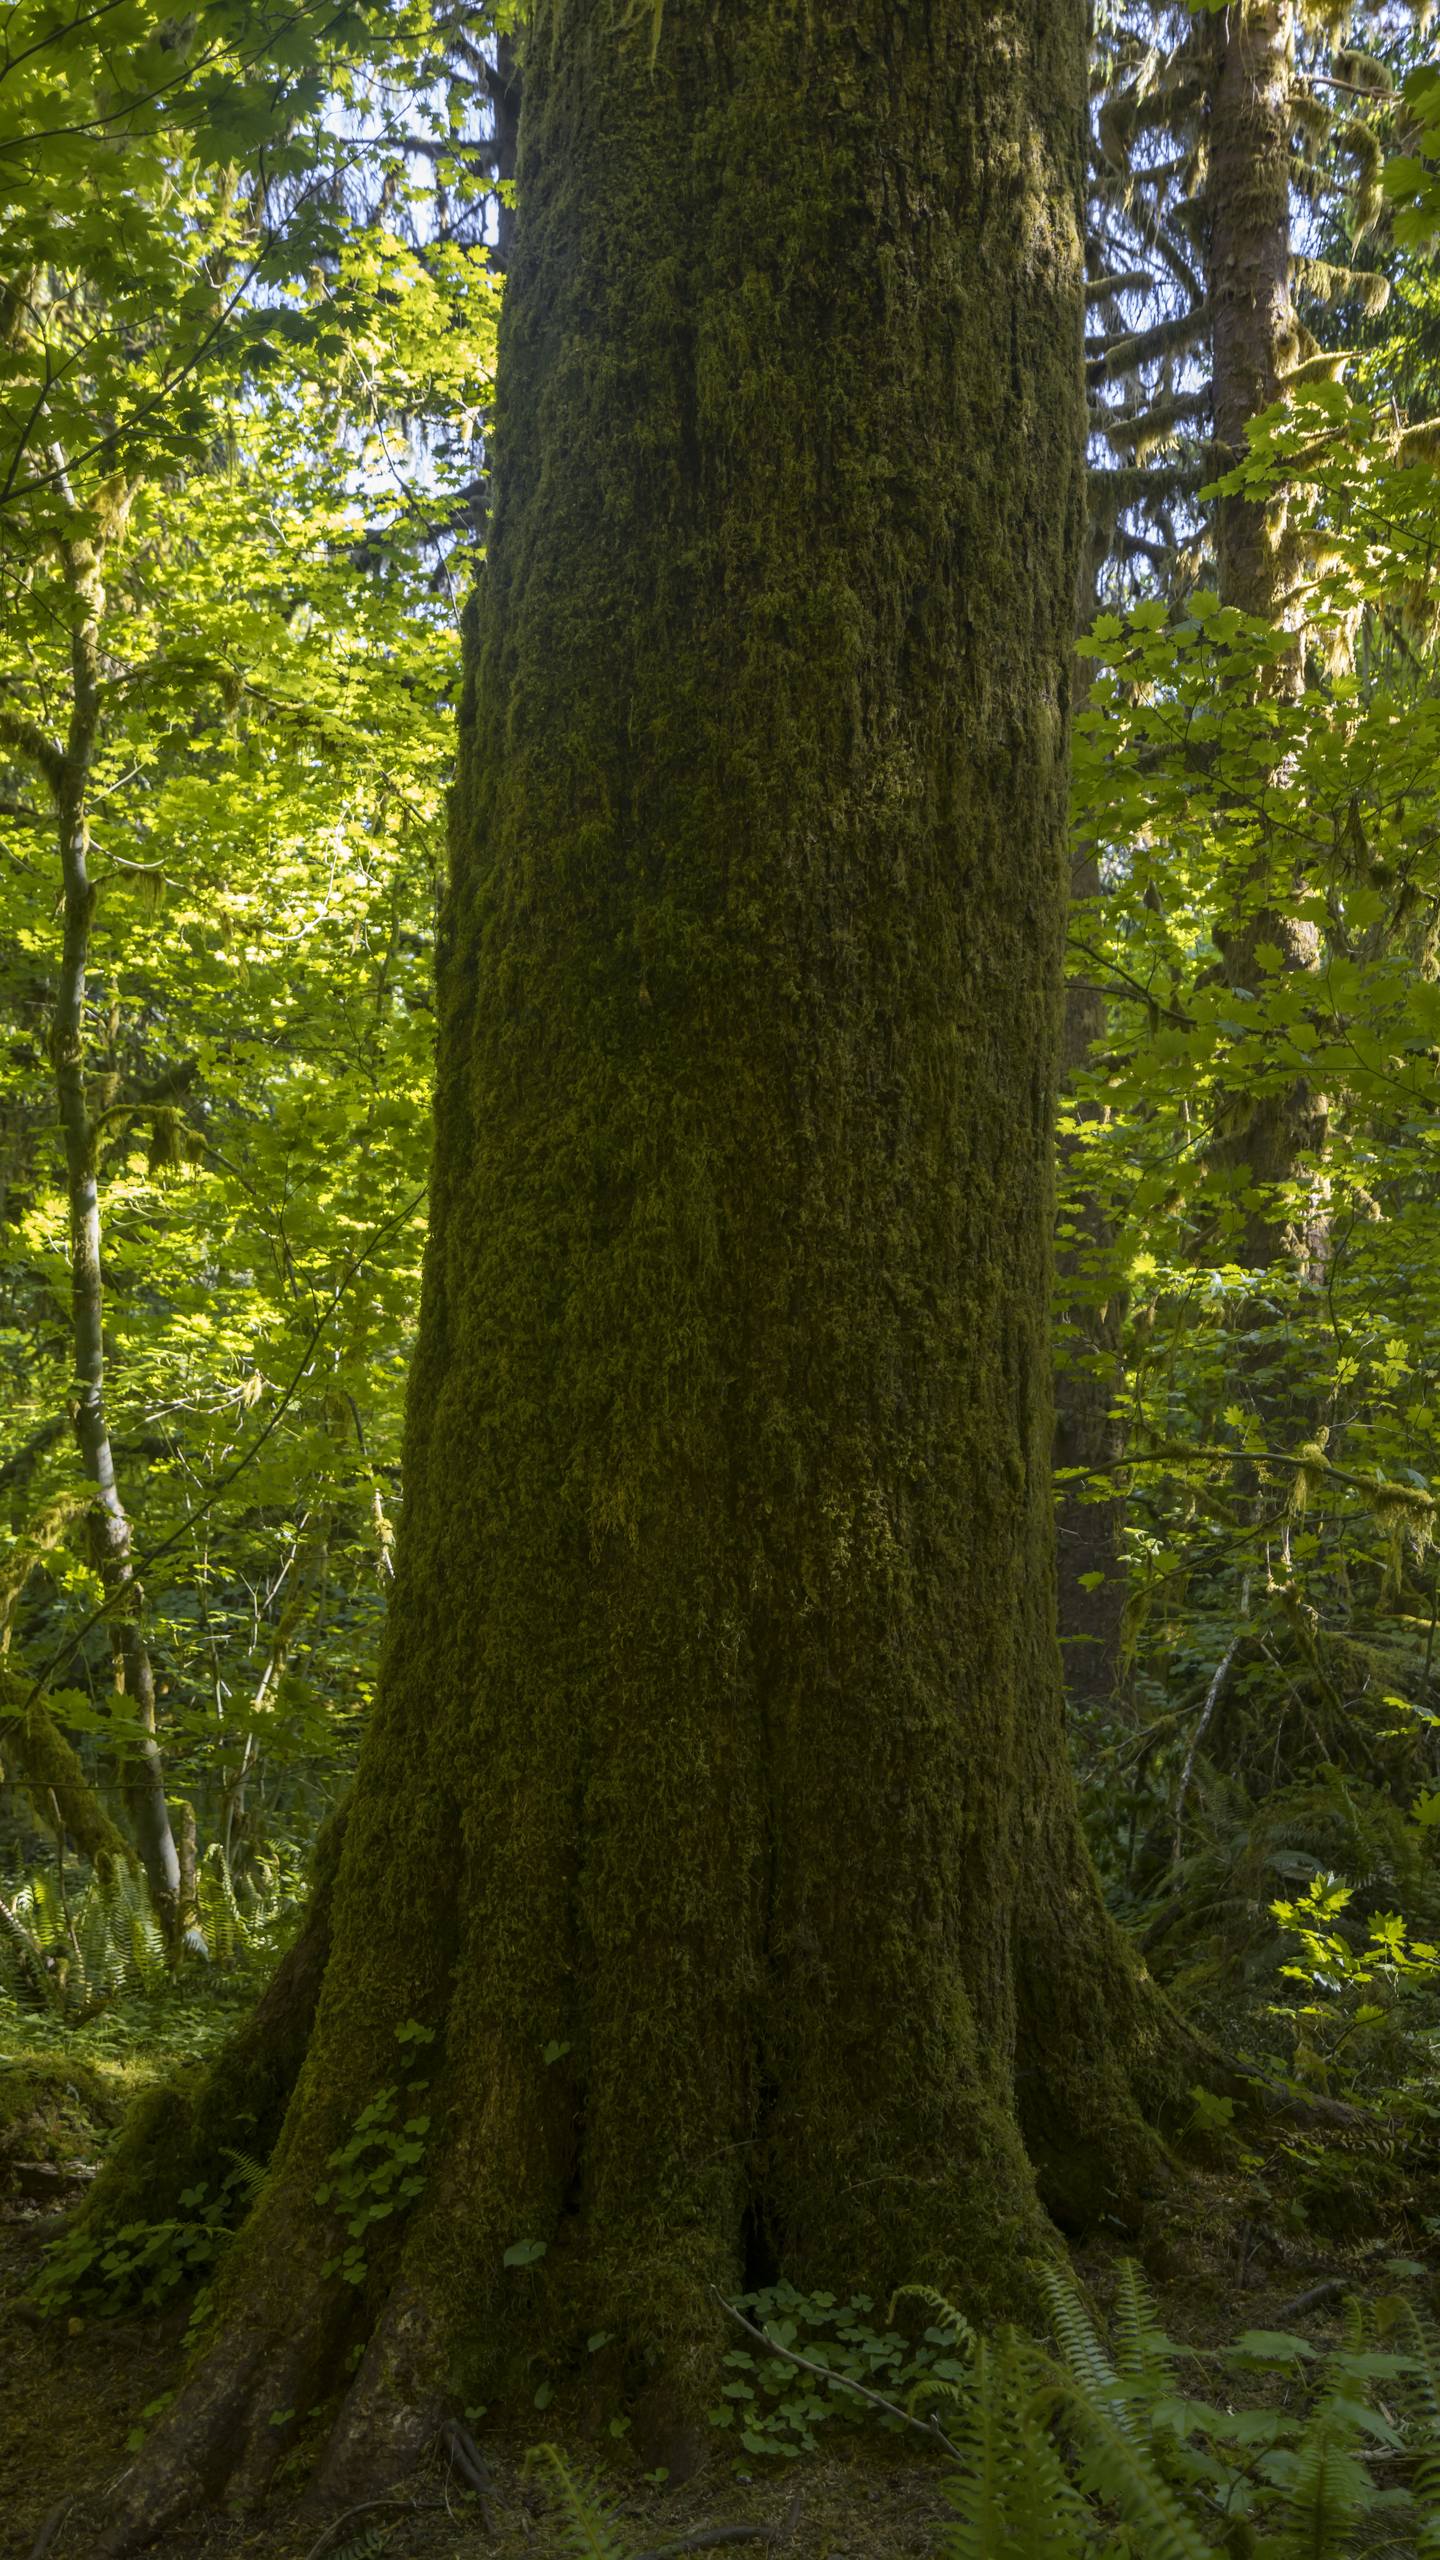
32, 1744
715, 1813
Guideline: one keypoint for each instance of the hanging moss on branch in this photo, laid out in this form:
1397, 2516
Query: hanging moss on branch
715, 1814
32, 1744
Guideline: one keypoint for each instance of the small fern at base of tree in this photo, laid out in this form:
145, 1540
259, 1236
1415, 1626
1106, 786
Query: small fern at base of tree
589, 2526
1091, 2448
1092, 2451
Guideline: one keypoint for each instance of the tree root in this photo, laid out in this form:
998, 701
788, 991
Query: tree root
714, 2537
187, 2459
392, 2409
464, 2456
230, 2426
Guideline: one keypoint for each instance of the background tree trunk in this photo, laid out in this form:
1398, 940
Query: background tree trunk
715, 1813
1255, 341
42, 1753
142, 1769
1088, 1372
1253, 333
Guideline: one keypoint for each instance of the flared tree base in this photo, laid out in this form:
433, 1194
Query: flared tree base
438, 2319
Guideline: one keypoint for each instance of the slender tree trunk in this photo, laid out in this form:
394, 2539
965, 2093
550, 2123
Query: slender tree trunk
1254, 342
307, 1560
715, 1815
504, 86
1090, 1560
144, 1777
46, 1758
1088, 1434
1253, 334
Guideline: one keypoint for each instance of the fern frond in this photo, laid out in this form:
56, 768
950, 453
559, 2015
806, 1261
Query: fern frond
147, 1946
227, 1931
942, 2310
366, 2546
1328, 2486
1418, 2395
1013, 2498
980, 2529
251, 2173
590, 2527
1049, 2516
89, 1951
1124, 2474
1144, 2356
1079, 2343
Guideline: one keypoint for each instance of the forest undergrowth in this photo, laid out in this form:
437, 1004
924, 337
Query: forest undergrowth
1238, 2374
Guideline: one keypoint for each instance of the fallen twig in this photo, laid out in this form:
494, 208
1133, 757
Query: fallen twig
466, 2458
50, 2528
712, 2537
1311, 2299
371, 2507
711, 2540
1305, 2106
929, 2428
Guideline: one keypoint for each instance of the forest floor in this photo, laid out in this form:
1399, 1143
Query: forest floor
1225, 2250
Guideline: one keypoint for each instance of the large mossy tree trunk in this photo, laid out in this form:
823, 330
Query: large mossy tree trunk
715, 1816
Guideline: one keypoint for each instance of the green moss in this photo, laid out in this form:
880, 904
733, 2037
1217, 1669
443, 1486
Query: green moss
182, 2132
59, 2100
33, 1743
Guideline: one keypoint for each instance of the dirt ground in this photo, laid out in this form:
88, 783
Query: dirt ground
1221, 2254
